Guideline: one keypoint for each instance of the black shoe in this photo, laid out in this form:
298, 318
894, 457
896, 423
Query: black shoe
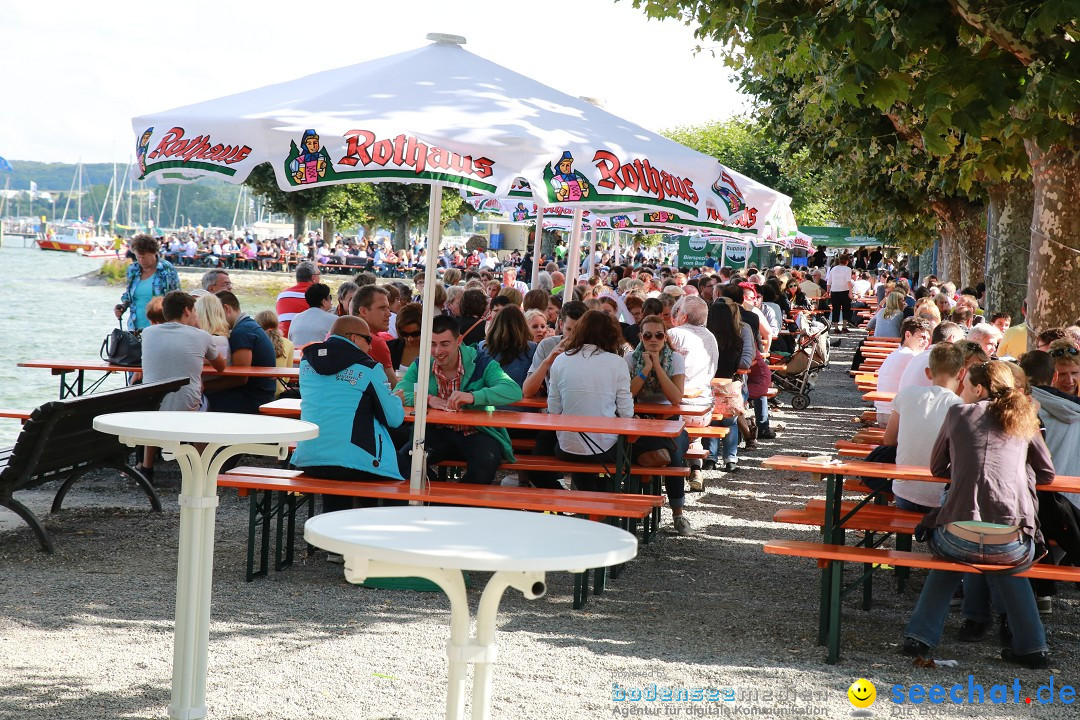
766, 434
972, 631
146, 472
1036, 660
1004, 633
708, 464
915, 648
730, 467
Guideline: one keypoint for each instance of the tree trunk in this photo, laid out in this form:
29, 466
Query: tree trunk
368, 230
926, 264
1052, 300
401, 234
328, 230
547, 244
299, 225
963, 242
948, 254
1008, 251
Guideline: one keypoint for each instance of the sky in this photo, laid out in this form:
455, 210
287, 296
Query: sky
75, 73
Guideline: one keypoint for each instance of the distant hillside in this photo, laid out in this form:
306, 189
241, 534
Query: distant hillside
56, 176
208, 202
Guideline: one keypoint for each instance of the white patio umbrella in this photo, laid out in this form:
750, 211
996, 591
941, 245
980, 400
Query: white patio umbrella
442, 116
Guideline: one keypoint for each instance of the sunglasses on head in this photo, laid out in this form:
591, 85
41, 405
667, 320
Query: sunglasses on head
1062, 352
652, 335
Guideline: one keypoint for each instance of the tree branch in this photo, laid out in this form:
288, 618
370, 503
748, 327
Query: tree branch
985, 25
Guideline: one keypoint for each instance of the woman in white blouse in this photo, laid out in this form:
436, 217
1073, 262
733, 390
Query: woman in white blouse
590, 377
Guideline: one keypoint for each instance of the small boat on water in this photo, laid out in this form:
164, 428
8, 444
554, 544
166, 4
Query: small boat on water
74, 239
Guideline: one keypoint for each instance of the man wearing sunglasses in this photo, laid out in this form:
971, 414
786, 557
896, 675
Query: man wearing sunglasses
339, 380
1066, 366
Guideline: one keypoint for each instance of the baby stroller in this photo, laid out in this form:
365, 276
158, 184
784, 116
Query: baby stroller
810, 357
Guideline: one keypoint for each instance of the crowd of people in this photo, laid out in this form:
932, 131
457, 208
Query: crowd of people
972, 402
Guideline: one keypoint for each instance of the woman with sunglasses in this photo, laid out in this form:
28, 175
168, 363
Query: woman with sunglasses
405, 348
992, 452
657, 375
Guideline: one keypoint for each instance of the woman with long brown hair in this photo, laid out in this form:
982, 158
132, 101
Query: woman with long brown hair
989, 514
509, 342
590, 378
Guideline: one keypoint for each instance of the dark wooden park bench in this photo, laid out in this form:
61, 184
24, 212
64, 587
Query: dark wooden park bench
58, 442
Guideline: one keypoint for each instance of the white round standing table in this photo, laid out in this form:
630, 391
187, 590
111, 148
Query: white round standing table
438, 543
225, 435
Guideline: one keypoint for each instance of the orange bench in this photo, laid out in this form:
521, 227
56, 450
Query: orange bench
285, 486
832, 554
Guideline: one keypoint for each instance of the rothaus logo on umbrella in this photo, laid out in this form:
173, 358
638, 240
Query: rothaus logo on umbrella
198, 152
404, 150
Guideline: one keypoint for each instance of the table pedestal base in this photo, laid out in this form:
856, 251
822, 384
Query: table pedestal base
195, 565
461, 649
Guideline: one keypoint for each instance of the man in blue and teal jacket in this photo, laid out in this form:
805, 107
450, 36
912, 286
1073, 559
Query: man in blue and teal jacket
345, 393
460, 379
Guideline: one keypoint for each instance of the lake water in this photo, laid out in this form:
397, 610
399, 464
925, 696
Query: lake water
51, 311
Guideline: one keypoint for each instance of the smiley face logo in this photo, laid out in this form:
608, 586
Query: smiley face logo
862, 693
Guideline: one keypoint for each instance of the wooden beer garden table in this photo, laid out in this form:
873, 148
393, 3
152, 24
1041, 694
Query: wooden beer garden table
78, 386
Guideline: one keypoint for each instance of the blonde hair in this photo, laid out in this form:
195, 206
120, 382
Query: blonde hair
925, 307
268, 321
1009, 404
212, 315
513, 295
895, 303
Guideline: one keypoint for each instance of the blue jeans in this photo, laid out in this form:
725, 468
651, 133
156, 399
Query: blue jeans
730, 441
674, 486
761, 412
1013, 594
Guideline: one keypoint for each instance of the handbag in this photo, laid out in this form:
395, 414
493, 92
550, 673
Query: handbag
122, 347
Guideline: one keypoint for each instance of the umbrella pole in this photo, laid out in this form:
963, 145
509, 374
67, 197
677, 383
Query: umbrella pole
419, 454
538, 236
723, 253
591, 262
617, 237
573, 256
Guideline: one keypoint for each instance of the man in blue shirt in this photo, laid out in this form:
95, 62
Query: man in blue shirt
249, 346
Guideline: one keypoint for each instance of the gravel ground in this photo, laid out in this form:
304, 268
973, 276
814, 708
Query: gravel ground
87, 632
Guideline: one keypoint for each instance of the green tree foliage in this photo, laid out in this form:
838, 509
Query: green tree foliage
980, 92
402, 206
750, 147
300, 204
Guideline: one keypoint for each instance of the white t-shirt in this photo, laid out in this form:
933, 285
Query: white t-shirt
914, 375
839, 278
698, 346
312, 325
922, 411
888, 380
860, 287
589, 382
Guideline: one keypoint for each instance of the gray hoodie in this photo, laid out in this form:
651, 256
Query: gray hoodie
1061, 417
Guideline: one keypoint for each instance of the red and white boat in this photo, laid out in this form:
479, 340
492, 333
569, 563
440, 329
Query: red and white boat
74, 239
